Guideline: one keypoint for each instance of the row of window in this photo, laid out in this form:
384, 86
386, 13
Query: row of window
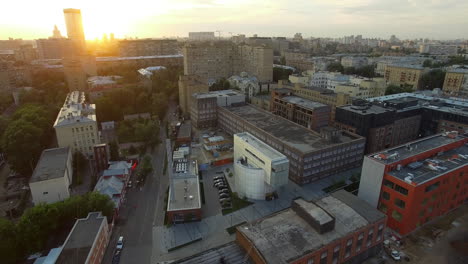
82, 129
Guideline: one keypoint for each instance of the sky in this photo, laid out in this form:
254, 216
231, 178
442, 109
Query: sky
407, 19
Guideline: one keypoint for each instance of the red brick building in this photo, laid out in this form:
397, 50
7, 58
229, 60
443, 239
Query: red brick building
339, 228
87, 241
417, 182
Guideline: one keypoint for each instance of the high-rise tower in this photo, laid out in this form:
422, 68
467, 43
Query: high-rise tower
75, 30
56, 33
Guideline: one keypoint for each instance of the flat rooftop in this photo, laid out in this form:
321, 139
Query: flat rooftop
231, 252
303, 102
414, 148
81, 239
51, 165
185, 130
259, 145
185, 186
75, 109
285, 236
366, 109
422, 171
290, 133
221, 93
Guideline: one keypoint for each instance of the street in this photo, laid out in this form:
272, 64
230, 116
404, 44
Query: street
142, 209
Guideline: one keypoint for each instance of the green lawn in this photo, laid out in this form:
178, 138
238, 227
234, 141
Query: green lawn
237, 203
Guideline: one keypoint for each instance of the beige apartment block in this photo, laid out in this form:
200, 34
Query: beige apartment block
76, 126
404, 75
456, 83
214, 60
188, 85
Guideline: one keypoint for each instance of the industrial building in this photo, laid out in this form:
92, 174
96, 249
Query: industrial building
184, 200
52, 177
311, 155
203, 106
417, 182
383, 127
307, 113
259, 170
338, 228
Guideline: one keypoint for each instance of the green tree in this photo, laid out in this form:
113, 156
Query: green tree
394, 89
427, 63
10, 250
433, 79
335, 67
281, 74
114, 151
221, 84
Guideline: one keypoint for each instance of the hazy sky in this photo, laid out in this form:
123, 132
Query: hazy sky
444, 19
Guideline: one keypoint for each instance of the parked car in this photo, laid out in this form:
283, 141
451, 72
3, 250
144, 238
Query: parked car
218, 178
129, 184
120, 242
222, 186
224, 195
395, 255
116, 257
225, 199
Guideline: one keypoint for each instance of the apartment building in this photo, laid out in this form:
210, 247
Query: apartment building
53, 48
307, 113
320, 95
439, 49
404, 75
338, 228
76, 126
203, 106
138, 62
456, 82
52, 177
311, 155
188, 85
417, 182
201, 36
259, 170
383, 127
148, 47
222, 59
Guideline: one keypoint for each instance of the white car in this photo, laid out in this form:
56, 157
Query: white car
395, 255
120, 243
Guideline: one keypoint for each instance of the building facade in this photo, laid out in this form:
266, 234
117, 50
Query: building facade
259, 170
188, 85
53, 48
335, 229
203, 106
439, 49
312, 156
75, 31
417, 182
52, 177
212, 61
309, 114
354, 62
201, 36
76, 126
403, 75
148, 47
456, 83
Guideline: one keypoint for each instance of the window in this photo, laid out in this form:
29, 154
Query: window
382, 207
432, 187
45, 193
359, 242
323, 258
389, 184
386, 195
310, 261
400, 203
396, 215
349, 246
370, 237
401, 190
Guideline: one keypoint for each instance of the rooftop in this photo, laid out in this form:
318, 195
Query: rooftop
81, 238
148, 71
231, 253
103, 80
416, 147
75, 109
107, 59
260, 146
185, 130
286, 236
366, 109
184, 191
221, 93
112, 187
290, 133
51, 165
303, 102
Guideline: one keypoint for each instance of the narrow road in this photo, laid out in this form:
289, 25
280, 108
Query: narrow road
142, 209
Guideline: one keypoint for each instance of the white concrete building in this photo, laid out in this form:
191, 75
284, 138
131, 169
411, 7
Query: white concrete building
355, 62
438, 49
259, 169
245, 83
52, 177
76, 126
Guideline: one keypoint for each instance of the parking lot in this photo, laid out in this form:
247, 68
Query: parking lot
212, 206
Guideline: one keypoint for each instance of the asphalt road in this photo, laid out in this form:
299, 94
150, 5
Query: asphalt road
142, 210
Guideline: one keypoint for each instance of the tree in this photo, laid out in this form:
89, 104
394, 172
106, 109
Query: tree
427, 63
221, 84
335, 67
114, 151
433, 79
394, 89
10, 250
281, 73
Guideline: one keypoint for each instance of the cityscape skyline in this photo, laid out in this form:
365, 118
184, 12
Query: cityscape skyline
435, 19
